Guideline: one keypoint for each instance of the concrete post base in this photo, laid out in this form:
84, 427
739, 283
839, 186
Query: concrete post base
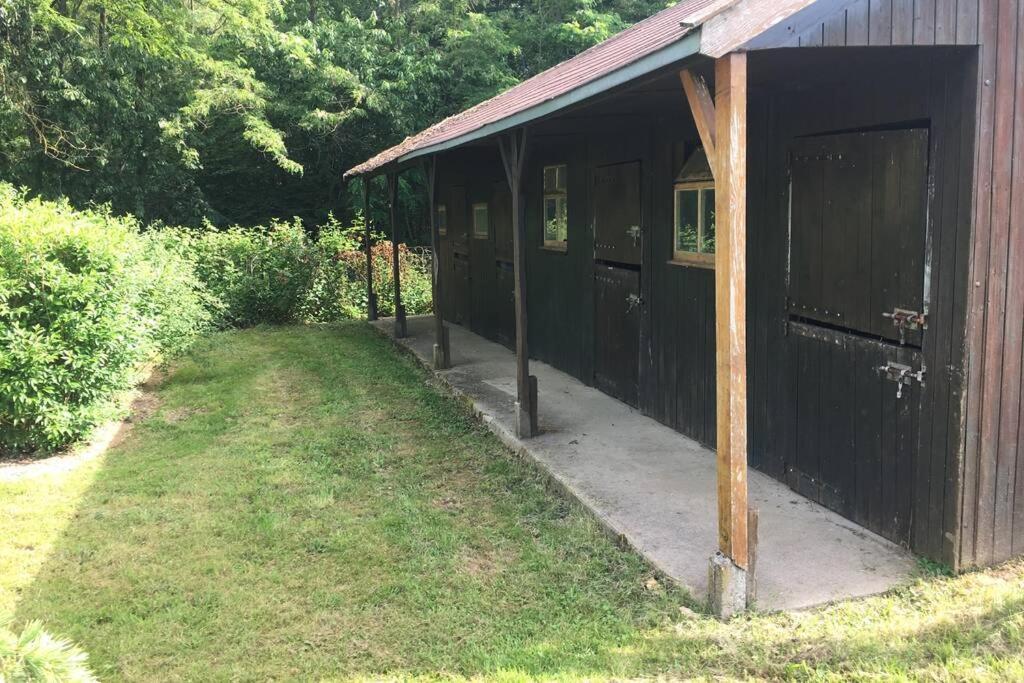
440, 363
524, 425
727, 587
442, 350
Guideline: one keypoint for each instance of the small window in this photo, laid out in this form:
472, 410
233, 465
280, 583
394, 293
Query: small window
556, 208
442, 220
480, 228
694, 232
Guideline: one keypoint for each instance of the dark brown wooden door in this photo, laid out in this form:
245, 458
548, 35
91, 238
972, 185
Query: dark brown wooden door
617, 333
859, 212
460, 290
857, 320
617, 233
617, 255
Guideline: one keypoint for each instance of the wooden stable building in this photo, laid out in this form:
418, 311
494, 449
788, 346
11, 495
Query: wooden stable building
790, 230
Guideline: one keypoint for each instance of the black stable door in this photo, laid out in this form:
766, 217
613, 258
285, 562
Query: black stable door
856, 321
617, 254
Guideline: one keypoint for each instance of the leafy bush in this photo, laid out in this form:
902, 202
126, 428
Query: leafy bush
258, 274
85, 298
35, 655
278, 274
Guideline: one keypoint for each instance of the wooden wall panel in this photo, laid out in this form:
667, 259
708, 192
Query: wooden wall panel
880, 23
681, 303
992, 523
559, 295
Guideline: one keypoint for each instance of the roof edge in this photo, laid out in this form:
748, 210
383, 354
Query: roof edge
687, 46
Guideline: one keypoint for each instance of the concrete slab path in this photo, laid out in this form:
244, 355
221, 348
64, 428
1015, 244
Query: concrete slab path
656, 488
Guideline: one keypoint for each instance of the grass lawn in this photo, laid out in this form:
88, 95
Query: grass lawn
302, 503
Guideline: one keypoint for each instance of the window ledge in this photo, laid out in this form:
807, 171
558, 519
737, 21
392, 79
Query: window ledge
697, 261
555, 250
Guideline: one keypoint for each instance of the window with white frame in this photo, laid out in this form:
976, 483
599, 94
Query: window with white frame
694, 227
556, 208
480, 228
442, 220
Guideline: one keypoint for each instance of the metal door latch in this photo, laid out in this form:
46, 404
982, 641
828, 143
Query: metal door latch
632, 301
634, 232
903, 320
902, 375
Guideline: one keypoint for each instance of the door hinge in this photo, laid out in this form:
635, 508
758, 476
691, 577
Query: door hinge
903, 320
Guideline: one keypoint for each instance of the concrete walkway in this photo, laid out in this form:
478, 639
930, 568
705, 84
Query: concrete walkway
656, 488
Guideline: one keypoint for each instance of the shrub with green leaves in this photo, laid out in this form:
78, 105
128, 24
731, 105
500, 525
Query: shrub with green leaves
85, 299
279, 274
258, 274
35, 655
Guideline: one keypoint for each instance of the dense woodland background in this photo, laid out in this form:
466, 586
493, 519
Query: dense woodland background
237, 112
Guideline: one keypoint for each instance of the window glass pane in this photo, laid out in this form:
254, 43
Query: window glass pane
480, 221
554, 178
708, 244
442, 220
550, 178
556, 219
686, 220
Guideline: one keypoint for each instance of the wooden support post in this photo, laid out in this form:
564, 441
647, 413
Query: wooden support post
442, 350
513, 155
401, 331
703, 109
731, 302
371, 297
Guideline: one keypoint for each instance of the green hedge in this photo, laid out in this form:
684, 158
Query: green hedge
87, 297
84, 300
277, 274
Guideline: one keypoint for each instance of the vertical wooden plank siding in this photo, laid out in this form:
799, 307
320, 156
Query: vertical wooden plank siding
1013, 313
1014, 332
730, 302
991, 528
893, 22
924, 22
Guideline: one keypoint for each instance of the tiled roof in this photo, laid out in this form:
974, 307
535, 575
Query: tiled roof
622, 49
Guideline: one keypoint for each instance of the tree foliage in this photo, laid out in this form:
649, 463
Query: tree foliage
241, 111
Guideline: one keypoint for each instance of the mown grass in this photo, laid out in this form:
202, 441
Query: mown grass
303, 504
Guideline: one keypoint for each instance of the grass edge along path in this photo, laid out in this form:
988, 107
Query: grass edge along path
305, 503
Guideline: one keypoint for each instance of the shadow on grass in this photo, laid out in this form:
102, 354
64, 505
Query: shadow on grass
304, 505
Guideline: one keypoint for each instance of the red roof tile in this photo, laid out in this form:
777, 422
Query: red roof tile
624, 48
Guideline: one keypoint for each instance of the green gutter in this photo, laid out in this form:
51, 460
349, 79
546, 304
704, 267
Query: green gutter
687, 46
